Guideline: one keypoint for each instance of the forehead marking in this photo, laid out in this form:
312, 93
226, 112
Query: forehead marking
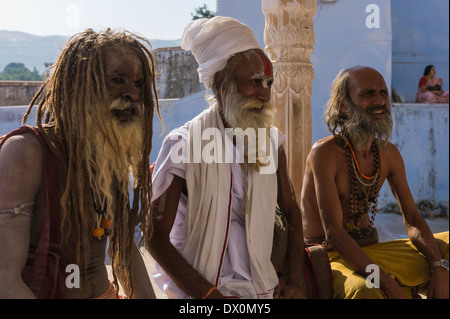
267, 68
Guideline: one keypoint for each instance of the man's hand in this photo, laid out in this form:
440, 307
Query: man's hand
289, 291
438, 284
391, 288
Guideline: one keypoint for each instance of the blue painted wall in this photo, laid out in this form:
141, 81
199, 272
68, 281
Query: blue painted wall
343, 40
421, 135
420, 33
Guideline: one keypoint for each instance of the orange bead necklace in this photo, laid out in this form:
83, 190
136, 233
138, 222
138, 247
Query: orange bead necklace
355, 161
104, 225
363, 196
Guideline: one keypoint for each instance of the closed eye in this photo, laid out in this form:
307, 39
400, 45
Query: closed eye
139, 83
368, 93
257, 81
262, 82
118, 80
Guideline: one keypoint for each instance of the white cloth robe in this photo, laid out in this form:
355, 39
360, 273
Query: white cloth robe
227, 262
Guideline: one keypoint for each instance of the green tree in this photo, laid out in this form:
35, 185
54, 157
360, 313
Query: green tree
202, 12
18, 72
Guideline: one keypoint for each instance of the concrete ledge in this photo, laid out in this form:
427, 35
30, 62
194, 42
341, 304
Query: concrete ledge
411, 104
18, 92
29, 83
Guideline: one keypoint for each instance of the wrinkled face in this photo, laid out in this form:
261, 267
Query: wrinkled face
124, 80
246, 102
368, 110
254, 76
368, 92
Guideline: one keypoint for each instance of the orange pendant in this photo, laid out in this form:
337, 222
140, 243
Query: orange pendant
98, 232
107, 223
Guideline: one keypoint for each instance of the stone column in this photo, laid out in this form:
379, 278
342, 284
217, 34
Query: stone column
289, 39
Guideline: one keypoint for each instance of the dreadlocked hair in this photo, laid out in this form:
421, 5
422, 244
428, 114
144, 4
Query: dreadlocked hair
76, 82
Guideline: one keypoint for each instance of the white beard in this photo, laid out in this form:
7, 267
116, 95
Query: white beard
250, 113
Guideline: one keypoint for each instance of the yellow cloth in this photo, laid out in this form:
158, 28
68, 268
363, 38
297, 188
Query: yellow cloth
398, 258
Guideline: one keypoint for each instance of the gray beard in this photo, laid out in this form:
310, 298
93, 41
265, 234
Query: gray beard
362, 130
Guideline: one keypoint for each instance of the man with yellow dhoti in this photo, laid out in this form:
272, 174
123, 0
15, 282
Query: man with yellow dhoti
344, 173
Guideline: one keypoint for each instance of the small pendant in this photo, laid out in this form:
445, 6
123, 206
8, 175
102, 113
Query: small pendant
98, 232
106, 223
104, 229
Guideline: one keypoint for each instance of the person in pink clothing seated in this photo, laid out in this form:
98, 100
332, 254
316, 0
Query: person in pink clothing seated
430, 88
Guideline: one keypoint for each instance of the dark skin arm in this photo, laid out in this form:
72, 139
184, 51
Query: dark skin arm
142, 286
21, 181
162, 250
417, 228
295, 254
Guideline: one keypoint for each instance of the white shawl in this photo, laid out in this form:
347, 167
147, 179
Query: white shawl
209, 209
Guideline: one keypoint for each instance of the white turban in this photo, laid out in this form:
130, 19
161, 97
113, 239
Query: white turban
214, 41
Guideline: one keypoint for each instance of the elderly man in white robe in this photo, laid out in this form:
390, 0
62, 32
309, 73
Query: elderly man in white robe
218, 178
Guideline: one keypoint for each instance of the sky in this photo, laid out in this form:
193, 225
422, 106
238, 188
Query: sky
154, 19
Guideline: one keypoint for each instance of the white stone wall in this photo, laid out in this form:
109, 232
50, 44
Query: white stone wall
176, 73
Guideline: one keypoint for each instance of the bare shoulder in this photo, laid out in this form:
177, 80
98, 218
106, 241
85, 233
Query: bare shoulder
390, 149
324, 148
392, 160
22, 148
21, 163
391, 153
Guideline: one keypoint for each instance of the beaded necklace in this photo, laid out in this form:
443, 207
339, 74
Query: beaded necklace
363, 195
103, 222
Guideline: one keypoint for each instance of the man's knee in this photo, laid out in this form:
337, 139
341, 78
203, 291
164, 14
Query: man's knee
352, 286
364, 292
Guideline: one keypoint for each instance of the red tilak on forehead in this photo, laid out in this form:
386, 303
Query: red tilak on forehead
267, 69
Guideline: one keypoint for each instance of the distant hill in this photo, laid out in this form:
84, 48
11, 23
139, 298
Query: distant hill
34, 51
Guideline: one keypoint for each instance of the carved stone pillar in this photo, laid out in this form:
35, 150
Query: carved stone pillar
289, 39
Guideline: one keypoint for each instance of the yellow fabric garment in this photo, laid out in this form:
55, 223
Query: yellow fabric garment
398, 258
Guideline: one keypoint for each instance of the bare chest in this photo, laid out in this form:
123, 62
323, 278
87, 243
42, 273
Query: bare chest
358, 183
93, 275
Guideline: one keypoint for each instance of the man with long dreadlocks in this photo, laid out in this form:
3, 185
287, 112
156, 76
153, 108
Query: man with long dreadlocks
66, 183
344, 173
